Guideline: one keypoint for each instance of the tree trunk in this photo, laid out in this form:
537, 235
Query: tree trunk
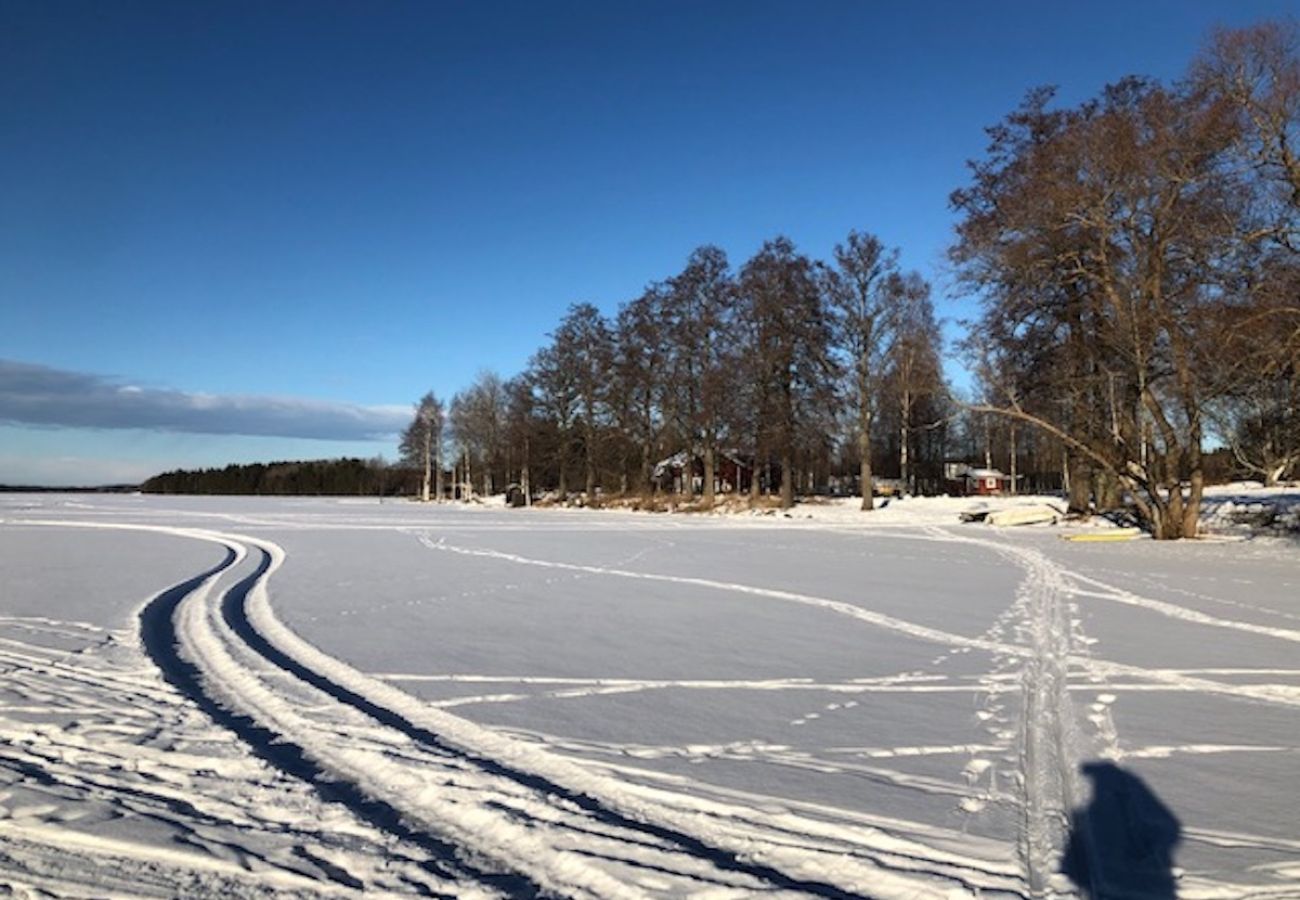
865, 481
1014, 466
787, 478
988, 443
1109, 491
904, 464
424, 485
1196, 481
708, 474
591, 467
647, 472
1079, 483
525, 481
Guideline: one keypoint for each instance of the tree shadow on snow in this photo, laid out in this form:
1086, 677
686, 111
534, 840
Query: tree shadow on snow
1121, 845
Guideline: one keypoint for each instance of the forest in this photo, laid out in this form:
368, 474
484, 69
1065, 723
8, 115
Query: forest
337, 477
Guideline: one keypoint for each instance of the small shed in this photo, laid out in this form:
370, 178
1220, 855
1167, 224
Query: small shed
968, 481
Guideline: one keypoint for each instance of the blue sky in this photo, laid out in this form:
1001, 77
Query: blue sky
238, 231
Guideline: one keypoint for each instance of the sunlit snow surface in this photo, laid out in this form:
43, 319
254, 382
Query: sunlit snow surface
405, 699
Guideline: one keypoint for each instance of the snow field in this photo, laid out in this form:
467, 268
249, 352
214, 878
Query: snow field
580, 704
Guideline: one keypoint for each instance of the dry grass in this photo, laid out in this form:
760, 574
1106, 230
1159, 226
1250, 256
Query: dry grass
659, 502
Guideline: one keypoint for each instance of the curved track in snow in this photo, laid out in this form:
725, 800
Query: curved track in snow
162, 644
235, 612
492, 815
483, 813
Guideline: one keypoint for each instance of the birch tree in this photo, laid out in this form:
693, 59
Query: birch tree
421, 442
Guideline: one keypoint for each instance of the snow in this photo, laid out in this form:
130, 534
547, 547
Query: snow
492, 702
1249, 508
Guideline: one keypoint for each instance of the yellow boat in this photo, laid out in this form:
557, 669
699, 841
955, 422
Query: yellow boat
1110, 534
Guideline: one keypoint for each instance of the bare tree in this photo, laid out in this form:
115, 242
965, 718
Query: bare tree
790, 333
572, 375
700, 304
861, 315
637, 381
1124, 205
915, 367
1256, 70
421, 441
554, 380
477, 416
521, 428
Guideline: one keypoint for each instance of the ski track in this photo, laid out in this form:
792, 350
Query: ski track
488, 813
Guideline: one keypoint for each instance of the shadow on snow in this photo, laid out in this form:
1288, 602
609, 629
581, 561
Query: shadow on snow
1121, 845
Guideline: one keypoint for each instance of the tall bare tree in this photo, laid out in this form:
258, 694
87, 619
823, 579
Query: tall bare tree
700, 303
521, 428
789, 330
637, 373
478, 420
1124, 205
1256, 70
421, 442
572, 375
915, 368
862, 314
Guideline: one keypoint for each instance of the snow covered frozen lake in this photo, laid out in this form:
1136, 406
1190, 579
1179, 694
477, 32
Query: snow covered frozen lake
250, 697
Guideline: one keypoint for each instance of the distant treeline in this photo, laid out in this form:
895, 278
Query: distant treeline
338, 477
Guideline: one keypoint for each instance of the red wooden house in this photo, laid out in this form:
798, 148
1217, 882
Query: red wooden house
964, 480
731, 473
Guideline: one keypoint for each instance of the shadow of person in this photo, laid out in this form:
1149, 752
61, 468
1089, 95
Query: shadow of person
1122, 844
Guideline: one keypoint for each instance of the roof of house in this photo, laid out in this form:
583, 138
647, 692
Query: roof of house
678, 461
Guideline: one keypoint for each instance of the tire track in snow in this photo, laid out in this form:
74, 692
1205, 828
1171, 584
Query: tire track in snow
181, 643
889, 867
159, 638
236, 613
175, 636
477, 836
706, 840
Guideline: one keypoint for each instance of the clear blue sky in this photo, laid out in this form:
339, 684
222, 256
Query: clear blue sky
235, 231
